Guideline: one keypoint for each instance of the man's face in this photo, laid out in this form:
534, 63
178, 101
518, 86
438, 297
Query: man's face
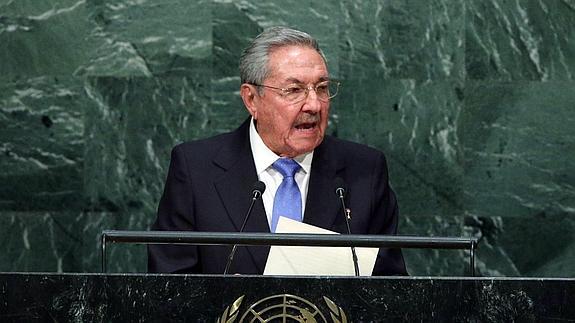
291, 129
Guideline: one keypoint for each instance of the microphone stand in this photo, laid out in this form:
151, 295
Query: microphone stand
257, 193
347, 215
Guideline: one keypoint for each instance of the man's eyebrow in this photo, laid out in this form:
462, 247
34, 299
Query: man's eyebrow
295, 80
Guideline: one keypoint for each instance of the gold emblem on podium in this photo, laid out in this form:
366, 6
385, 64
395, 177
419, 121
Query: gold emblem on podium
282, 308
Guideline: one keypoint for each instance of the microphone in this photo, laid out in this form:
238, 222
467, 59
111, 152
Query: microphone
258, 189
340, 191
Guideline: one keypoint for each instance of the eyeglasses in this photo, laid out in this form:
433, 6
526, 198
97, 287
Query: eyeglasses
295, 93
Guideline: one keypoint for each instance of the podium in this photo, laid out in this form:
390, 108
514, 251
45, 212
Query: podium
40, 297
286, 239
102, 297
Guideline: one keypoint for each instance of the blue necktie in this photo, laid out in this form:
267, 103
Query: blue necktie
287, 202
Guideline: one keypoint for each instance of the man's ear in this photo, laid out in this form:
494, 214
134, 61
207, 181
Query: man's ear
250, 98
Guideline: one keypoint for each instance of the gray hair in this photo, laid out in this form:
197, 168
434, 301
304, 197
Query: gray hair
254, 60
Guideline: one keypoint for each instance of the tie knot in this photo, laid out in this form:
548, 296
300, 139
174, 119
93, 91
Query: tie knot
286, 166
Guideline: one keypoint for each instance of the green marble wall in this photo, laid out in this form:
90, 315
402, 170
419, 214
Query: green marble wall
472, 101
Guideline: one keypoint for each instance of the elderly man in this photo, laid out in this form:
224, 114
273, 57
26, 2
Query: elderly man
287, 89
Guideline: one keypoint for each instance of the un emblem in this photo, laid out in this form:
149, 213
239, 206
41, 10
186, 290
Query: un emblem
282, 308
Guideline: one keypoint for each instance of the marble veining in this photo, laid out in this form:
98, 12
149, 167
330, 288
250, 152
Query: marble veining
472, 102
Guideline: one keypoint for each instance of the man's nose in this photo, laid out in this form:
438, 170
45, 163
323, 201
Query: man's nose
312, 102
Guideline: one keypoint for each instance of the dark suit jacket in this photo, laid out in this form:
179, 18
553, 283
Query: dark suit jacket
209, 185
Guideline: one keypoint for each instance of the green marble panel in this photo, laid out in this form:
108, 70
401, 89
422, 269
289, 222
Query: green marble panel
472, 102
520, 40
46, 38
41, 144
492, 255
322, 19
519, 148
232, 31
416, 125
422, 40
131, 129
150, 84
34, 8
147, 38
495, 255
67, 242
540, 245
435, 262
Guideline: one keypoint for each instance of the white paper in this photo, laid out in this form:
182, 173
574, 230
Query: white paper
328, 261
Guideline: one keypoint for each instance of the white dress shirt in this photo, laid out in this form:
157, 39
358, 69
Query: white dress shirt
264, 158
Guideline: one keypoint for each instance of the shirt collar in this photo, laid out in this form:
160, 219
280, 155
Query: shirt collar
264, 157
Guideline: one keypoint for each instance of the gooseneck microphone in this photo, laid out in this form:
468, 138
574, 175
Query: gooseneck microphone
340, 191
257, 191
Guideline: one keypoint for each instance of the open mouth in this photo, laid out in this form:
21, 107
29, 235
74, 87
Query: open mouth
306, 125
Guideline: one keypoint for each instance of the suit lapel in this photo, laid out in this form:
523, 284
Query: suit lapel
322, 204
234, 189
